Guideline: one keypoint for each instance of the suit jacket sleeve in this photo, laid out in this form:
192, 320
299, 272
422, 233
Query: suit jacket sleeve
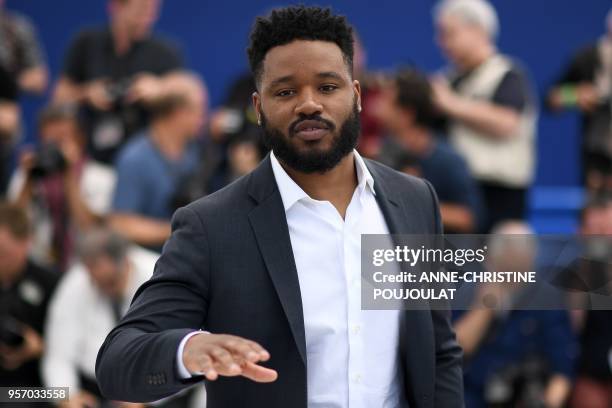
449, 355
137, 361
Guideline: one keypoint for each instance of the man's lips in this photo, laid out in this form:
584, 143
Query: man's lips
310, 130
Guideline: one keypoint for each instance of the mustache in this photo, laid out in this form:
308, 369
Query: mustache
328, 124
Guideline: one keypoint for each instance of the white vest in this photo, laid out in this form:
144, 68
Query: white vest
508, 161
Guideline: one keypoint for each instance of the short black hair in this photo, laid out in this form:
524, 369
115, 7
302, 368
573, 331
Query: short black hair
288, 24
414, 92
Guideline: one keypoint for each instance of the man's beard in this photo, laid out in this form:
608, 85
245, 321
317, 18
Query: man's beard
316, 160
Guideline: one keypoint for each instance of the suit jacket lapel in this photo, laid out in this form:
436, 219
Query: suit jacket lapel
389, 203
269, 223
416, 331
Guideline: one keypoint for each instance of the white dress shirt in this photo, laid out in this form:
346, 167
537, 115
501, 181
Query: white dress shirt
80, 317
352, 354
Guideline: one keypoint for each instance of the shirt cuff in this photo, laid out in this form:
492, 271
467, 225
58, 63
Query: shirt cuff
182, 370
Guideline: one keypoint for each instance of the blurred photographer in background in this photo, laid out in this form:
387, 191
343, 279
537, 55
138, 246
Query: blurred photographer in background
112, 72
586, 85
233, 147
514, 357
154, 165
21, 54
594, 369
407, 110
22, 69
25, 289
490, 107
64, 190
88, 302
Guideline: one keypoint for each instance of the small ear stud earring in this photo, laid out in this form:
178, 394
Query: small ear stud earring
259, 121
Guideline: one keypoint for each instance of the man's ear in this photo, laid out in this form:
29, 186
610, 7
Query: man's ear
357, 89
256, 99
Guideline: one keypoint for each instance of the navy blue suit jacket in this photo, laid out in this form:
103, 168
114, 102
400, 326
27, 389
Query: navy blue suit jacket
229, 268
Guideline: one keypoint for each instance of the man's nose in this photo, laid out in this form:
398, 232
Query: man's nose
308, 104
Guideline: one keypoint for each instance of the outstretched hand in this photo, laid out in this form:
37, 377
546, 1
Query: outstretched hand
226, 355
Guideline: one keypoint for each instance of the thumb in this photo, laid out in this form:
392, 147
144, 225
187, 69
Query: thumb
258, 373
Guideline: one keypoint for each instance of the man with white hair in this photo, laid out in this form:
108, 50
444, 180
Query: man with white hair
487, 99
90, 299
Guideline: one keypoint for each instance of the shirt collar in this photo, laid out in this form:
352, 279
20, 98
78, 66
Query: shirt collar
291, 193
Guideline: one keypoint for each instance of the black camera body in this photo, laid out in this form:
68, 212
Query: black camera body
118, 91
48, 160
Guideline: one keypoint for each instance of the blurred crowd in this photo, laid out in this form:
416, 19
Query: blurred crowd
127, 137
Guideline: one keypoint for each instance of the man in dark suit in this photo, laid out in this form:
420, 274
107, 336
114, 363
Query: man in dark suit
273, 259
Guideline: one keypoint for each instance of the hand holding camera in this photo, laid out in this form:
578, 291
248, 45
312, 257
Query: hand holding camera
45, 161
144, 88
19, 343
97, 95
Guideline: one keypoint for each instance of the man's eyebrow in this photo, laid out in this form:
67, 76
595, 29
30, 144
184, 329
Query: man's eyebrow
281, 80
320, 75
330, 75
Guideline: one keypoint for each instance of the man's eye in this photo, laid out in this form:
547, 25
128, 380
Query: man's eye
328, 88
285, 92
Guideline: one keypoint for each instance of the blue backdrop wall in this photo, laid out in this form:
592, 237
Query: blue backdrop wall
213, 34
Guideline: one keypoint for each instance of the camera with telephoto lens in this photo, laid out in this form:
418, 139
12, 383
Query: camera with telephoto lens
48, 160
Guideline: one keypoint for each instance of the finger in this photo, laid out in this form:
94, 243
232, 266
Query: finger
263, 353
242, 349
104, 102
259, 373
89, 400
206, 365
224, 362
133, 94
101, 104
211, 374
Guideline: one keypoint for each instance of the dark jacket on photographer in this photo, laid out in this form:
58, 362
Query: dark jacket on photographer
24, 302
92, 56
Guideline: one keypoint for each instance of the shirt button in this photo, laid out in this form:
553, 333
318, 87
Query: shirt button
356, 329
357, 378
